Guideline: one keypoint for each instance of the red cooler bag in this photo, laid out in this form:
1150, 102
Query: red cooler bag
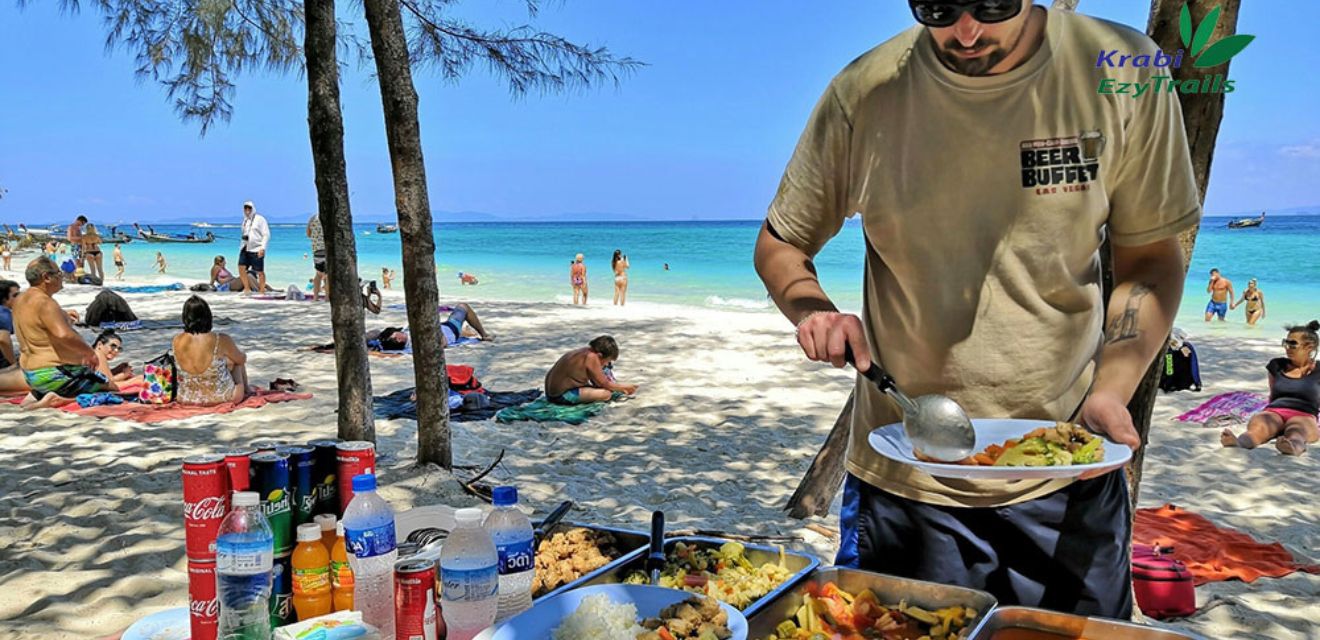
1163, 585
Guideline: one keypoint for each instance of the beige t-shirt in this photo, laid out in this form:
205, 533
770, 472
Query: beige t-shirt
984, 201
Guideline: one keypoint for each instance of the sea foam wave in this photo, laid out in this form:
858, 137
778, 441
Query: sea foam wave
737, 303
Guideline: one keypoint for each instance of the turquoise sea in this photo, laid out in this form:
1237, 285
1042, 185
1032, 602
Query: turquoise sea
710, 262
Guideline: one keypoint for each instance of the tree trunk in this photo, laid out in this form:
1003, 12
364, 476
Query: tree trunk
399, 101
1202, 113
325, 123
816, 490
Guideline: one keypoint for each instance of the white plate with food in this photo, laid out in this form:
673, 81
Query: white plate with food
1014, 449
610, 611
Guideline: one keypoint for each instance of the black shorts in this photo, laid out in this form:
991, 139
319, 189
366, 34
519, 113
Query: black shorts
251, 260
318, 261
1068, 551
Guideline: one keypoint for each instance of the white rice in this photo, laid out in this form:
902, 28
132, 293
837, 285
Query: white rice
598, 618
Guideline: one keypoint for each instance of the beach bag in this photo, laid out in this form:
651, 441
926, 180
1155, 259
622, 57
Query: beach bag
1163, 585
1182, 370
159, 376
463, 379
108, 306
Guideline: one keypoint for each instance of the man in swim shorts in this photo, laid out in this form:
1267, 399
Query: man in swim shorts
451, 329
1221, 293
581, 376
57, 364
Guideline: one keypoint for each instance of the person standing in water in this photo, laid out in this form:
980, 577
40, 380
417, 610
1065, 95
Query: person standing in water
160, 262
1221, 293
1255, 299
620, 265
119, 263
577, 276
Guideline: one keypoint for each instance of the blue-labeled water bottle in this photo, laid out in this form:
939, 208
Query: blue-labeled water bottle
511, 531
369, 535
469, 576
244, 557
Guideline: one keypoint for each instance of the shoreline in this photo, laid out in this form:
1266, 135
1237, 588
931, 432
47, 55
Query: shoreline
91, 533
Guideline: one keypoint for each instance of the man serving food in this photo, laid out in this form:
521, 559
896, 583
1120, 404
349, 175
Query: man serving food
987, 171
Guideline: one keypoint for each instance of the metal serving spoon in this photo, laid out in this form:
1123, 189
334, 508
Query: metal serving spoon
935, 425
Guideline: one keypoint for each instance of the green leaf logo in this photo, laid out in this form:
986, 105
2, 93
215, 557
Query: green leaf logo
1197, 39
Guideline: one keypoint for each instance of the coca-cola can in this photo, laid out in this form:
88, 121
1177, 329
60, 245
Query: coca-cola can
414, 600
239, 462
353, 458
203, 603
301, 461
323, 475
268, 446
205, 502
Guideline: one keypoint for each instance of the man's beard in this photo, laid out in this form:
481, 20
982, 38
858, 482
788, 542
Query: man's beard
978, 66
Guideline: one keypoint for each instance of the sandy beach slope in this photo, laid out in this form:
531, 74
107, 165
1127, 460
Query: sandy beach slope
727, 419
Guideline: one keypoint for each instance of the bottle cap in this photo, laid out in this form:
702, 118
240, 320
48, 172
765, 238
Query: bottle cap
469, 515
326, 521
246, 499
364, 482
339, 528
504, 496
309, 532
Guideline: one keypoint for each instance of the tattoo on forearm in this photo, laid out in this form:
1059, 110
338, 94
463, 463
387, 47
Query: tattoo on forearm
1125, 326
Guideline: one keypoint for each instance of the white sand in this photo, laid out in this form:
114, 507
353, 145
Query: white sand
91, 533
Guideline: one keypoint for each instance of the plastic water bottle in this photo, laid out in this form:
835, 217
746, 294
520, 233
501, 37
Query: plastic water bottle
512, 533
244, 557
369, 529
470, 577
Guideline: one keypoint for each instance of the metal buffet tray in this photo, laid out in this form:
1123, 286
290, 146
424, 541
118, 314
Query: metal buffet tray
1072, 626
888, 589
799, 564
629, 544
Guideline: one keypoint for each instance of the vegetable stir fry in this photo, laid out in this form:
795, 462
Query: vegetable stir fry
1062, 445
830, 613
724, 574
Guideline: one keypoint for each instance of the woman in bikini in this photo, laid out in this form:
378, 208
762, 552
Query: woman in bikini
212, 369
222, 279
620, 265
577, 276
1290, 417
91, 251
1255, 300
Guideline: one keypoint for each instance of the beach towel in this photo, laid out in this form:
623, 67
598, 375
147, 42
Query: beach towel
1234, 404
1213, 553
374, 347
150, 288
398, 405
154, 325
154, 413
444, 308
542, 410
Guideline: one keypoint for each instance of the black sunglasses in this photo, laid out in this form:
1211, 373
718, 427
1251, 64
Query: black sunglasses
934, 13
1290, 343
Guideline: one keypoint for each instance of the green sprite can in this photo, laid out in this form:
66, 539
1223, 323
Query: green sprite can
270, 479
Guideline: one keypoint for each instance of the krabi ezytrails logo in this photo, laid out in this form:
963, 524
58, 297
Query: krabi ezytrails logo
1202, 52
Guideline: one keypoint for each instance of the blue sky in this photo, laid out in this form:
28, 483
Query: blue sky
704, 131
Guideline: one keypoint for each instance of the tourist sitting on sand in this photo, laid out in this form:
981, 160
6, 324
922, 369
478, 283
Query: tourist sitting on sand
584, 375
462, 322
11, 377
108, 346
222, 279
57, 364
212, 369
1290, 417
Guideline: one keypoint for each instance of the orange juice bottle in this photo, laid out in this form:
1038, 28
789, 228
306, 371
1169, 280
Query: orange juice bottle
341, 575
311, 574
327, 522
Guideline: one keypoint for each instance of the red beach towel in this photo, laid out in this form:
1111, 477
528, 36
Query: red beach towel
1212, 553
153, 413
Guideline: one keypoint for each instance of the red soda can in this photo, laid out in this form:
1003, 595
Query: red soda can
414, 600
355, 457
205, 502
239, 462
203, 604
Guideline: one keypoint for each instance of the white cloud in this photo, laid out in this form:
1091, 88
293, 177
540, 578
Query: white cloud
1306, 150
